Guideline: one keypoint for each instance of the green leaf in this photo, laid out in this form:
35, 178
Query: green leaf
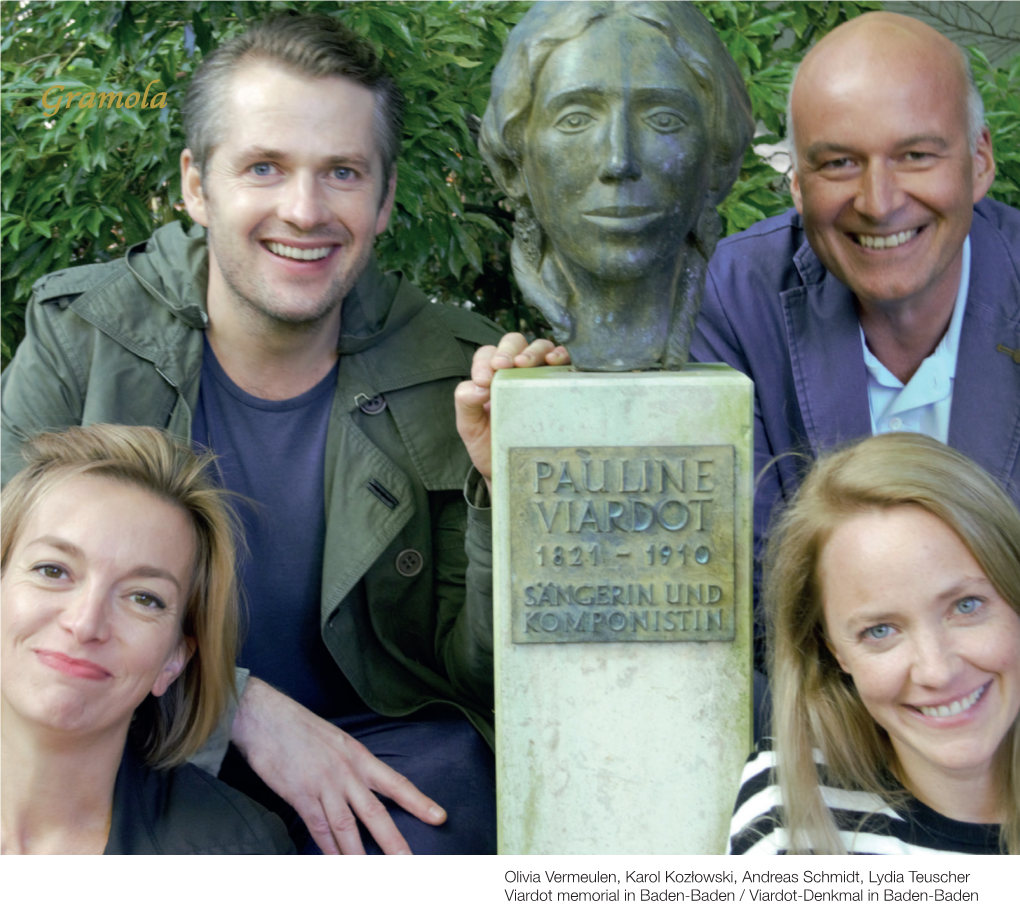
28, 257
394, 24
12, 185
95, 221
15, 233
483, 221
454, 34
203, 34
767, 26
138, 213
459, 60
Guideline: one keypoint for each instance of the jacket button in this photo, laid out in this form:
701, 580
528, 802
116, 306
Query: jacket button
373, 407
409, 562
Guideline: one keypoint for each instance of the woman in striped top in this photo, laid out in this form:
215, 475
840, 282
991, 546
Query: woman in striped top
893, 592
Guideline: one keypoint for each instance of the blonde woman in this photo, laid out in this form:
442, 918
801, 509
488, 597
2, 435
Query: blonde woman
119, 626
893, 593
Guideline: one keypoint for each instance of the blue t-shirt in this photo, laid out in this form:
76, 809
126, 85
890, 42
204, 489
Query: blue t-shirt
273, 453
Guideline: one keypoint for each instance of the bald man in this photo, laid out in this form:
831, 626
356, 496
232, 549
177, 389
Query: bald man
889, 299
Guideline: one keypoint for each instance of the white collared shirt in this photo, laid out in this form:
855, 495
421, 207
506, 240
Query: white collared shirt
923, 403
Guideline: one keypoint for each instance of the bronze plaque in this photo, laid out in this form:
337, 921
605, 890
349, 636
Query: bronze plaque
622, 544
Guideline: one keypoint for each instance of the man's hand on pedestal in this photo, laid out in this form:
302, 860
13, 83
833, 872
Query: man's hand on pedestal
471, 398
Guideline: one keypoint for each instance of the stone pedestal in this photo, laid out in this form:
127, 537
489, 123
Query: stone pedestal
622, 539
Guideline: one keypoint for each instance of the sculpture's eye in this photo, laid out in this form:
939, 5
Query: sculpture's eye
574, 121
664, 120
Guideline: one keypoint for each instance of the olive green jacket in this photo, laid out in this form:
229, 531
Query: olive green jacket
122, 342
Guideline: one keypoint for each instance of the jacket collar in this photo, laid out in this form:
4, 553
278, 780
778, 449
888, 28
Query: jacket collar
831, 378
829, 374
173, 267
392, 337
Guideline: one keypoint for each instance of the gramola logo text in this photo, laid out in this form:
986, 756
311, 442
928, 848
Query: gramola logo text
88, 99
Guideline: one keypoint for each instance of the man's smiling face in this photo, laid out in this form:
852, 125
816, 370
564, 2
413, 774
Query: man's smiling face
886, 179
292, 197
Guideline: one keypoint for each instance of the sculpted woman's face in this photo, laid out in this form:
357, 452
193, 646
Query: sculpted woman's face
616, 151
93, 597
933, 649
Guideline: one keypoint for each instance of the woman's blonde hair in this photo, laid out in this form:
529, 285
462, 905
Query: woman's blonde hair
816, 705
171, 728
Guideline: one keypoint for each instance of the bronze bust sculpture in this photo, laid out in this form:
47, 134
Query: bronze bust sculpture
615, 129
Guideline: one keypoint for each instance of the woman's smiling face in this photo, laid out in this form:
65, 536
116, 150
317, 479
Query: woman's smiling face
93, 596
933, 649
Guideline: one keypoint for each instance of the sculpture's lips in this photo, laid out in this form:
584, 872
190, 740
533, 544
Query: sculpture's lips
622, 211
623, 217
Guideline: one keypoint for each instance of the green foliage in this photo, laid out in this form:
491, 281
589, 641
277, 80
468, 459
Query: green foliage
1000, 90
82, 185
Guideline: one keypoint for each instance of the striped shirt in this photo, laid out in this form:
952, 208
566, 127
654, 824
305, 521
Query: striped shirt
868, 826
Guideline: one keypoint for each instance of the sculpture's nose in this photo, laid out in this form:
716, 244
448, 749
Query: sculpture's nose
620, 162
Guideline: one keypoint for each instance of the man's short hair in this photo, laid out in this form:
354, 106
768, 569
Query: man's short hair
313, 46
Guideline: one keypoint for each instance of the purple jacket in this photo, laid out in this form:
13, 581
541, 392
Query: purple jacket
773, 311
